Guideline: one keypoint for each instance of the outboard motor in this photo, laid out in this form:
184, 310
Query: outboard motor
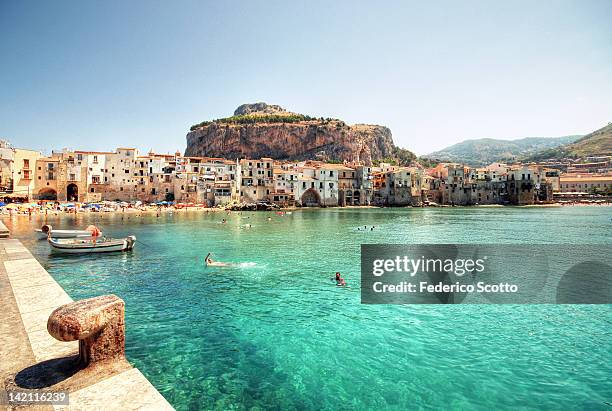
131, 240
46, 228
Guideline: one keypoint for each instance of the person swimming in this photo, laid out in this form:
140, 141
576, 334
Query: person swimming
340, 282
210, 262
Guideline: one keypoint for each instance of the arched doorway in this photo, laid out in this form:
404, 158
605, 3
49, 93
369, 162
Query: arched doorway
311, 198
47, 193
345, 198
72, 192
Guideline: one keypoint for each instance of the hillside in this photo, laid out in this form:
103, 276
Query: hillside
598, 142
485, 151
263, 130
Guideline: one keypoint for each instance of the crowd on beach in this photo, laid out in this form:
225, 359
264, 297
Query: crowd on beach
55, 207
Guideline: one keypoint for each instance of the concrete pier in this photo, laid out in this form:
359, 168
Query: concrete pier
31, 359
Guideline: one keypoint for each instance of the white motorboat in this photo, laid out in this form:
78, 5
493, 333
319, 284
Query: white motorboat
90, 245
48, 231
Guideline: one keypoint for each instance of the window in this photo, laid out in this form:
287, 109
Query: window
92, 190
72, 177
95, 159
79, 157
331, 173
26, 163
26, 174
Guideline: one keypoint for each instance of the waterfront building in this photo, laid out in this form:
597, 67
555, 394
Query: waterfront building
400, 186
256, 179
586, 183
23, 172
285, 184
61, 177
17, 171
97, 173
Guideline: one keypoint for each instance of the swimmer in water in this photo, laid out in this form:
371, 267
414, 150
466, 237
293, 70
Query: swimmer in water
210, 262
340, 282
223, 221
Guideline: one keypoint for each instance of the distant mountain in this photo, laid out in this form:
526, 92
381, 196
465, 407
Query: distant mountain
485, 151
599, 142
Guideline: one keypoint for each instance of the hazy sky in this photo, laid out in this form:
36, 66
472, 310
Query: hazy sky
101, 74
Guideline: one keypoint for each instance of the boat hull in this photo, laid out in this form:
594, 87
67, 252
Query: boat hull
77, 246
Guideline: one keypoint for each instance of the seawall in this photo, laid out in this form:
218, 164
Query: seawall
29, 294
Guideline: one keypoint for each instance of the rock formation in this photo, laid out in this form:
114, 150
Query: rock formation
262, 130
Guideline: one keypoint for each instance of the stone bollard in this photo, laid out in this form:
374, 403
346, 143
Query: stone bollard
97, 323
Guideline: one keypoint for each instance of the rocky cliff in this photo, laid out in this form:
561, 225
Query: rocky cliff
262, 130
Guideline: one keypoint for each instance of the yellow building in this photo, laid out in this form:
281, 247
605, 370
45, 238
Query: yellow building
24, 167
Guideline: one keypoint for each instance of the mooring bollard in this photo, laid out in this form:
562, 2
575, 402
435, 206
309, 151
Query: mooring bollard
97, 323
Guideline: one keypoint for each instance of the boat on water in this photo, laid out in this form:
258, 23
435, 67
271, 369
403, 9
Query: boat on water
48, 231
91, 245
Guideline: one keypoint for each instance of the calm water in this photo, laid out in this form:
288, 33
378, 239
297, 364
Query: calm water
275, 332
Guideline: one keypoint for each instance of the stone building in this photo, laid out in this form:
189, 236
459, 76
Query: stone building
61, 177
256, 179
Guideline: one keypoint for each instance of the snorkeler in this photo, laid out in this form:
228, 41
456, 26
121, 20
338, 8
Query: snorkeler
210, 262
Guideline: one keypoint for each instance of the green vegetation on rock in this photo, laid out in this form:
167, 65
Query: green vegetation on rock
268, 118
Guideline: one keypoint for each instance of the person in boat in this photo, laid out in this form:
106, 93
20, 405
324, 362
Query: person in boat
95, 232
340, 282
210, 262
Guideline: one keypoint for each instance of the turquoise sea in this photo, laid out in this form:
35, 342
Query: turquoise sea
273, 332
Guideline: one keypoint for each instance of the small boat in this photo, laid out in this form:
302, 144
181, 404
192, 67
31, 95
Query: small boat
48, 230
100, 245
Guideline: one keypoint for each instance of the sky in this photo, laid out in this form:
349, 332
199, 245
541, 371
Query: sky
96, 75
